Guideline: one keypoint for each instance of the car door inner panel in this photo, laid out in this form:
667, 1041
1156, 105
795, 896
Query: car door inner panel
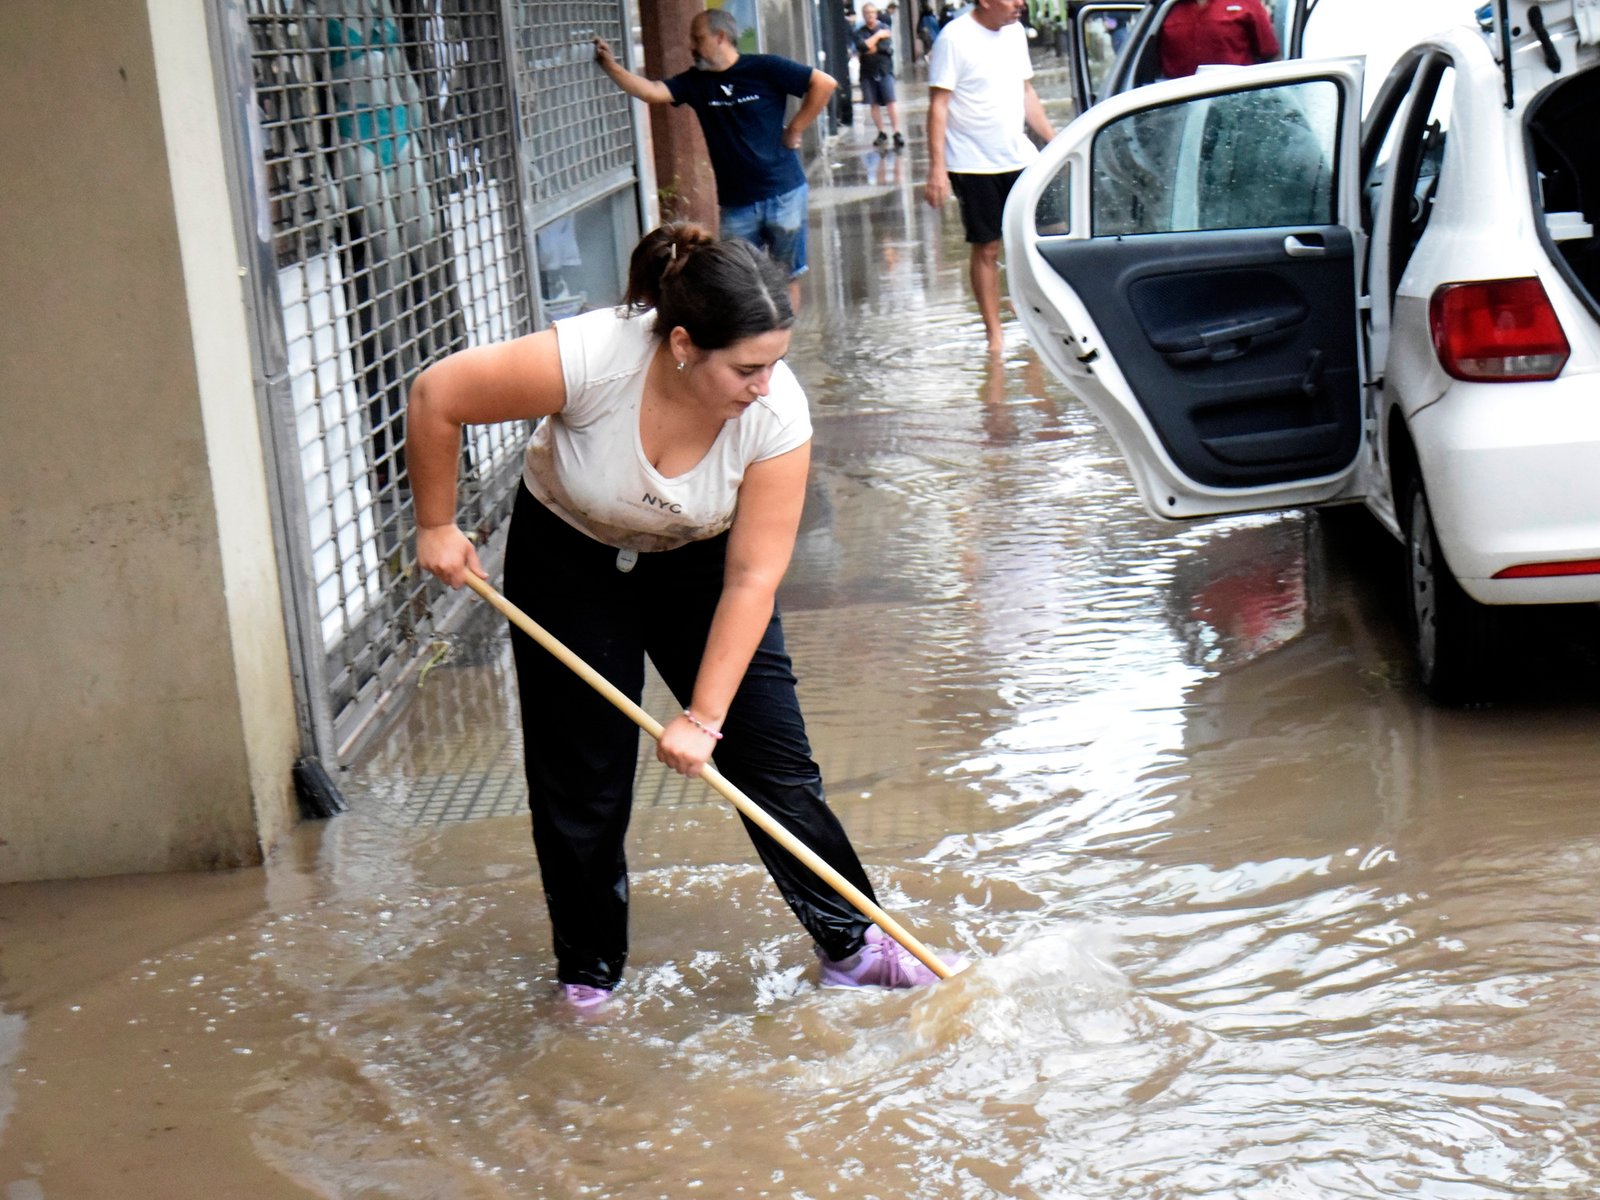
1239, 344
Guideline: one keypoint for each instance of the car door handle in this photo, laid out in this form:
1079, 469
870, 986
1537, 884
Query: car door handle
1304, 245
1217, 343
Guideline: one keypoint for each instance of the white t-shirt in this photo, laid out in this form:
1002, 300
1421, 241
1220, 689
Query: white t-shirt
983, 69
587, 465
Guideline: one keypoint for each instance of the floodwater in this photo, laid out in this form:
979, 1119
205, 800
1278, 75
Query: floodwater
1246, 918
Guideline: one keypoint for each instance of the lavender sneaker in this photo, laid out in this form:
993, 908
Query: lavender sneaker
583, 997
882, 962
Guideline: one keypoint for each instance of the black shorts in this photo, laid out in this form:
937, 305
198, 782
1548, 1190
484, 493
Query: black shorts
983, 202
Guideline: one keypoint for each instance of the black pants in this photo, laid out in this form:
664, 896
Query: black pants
580, 751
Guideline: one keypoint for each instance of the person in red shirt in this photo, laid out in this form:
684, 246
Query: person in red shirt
1199, 33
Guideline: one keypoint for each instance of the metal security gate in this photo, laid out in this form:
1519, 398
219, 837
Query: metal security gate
574, 121
584, 154
395, 148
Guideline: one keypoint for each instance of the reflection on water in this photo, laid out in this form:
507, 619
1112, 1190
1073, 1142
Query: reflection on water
1245, 918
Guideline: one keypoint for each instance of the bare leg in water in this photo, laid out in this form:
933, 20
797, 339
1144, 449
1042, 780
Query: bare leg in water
985, 271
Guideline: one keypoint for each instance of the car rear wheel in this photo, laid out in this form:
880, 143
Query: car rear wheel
1453, 637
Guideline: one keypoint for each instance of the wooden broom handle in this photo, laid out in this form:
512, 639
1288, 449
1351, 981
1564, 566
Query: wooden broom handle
859, 899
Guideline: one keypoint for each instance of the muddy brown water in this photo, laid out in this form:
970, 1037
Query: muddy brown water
1246, 917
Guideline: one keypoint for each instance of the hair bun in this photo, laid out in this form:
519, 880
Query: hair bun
683, 239
718, 290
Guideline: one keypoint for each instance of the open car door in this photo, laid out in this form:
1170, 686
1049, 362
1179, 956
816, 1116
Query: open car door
1099, 30
1184, 258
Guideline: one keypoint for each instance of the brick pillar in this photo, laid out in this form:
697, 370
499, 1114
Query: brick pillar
683, 169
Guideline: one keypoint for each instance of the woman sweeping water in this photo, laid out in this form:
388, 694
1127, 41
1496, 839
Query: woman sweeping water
657, 514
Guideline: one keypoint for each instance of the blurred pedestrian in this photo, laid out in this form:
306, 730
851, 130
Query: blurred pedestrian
658, 509
874, 44
741, 101
980, 104
927, 28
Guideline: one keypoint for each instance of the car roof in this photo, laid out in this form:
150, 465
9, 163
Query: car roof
1381, 31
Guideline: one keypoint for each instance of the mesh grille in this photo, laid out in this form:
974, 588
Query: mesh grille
391, 180
575, 120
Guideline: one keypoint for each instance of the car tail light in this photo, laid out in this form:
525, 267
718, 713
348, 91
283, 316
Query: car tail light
1497, 331
1571, 566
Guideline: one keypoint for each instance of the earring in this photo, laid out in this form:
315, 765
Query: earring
682, 364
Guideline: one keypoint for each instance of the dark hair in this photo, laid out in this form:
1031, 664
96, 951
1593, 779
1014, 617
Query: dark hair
719, 291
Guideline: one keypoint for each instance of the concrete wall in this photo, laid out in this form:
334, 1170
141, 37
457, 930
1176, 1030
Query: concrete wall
146, 717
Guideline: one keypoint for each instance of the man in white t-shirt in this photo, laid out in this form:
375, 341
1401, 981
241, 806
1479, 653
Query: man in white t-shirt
980, 97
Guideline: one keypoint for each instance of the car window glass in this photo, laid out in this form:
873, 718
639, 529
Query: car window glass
1104, 34
1278, 10
1432, 157
1051, 209
1241, 160
1372, 182
1380, 129
1419, 168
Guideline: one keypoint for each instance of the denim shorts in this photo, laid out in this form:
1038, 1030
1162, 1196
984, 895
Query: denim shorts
877, 89
777, 225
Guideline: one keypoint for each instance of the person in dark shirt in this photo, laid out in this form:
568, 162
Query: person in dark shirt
875, 52
1200, 33
741, 101
927, 28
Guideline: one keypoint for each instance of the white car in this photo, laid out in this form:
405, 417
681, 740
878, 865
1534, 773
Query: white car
1272, 303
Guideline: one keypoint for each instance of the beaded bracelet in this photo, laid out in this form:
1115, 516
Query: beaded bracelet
715, 734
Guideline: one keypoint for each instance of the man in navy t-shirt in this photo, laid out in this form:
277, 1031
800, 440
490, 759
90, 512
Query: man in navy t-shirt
741, 101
